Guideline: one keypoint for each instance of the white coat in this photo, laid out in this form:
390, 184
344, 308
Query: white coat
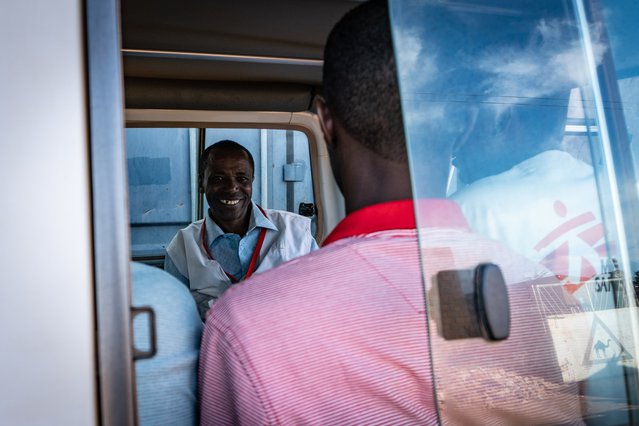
207, 279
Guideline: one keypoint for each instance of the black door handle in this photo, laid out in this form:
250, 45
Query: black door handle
472, 303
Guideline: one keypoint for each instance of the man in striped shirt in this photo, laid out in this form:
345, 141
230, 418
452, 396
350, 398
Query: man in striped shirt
340, 336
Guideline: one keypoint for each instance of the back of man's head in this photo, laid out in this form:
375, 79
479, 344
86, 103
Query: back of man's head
360, 80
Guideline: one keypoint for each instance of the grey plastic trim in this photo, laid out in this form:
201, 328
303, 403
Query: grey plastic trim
110, 214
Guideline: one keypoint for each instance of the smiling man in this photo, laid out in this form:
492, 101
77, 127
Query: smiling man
237, 238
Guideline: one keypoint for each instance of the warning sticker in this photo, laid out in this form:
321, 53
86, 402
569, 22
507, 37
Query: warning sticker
604, 346
587, 342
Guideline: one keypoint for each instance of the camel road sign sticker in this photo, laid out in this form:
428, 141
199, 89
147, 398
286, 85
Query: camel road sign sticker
587, 342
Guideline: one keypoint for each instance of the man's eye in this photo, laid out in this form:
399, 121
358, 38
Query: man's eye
217, 179
242, 180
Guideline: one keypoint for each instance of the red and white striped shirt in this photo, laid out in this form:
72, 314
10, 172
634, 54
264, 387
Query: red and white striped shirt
340, 336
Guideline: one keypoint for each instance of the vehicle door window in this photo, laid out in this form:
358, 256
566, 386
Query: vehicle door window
523, 117
163, 184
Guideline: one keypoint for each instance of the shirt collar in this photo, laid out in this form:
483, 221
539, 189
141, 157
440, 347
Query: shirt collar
257, 220
432, 213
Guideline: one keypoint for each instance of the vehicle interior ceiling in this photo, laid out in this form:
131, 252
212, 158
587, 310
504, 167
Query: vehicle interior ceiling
225, 55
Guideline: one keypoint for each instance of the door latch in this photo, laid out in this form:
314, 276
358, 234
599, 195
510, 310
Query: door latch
472, 303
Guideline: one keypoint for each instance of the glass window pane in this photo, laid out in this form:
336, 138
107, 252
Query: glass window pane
519, 120
161, 187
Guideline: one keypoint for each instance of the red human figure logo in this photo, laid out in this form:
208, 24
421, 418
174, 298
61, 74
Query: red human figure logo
573, 248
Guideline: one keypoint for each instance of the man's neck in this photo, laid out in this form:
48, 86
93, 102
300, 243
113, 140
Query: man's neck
365, 177
376, 181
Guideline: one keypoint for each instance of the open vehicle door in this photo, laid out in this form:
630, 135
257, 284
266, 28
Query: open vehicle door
523, 116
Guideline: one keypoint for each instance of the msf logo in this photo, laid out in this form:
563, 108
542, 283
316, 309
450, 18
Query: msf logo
572, 249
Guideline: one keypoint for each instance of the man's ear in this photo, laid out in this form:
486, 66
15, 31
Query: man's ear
326, 120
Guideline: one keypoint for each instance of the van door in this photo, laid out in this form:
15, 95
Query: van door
523, 115
47, 328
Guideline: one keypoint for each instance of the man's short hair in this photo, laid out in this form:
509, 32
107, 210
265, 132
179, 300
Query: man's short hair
227, 145
360, 80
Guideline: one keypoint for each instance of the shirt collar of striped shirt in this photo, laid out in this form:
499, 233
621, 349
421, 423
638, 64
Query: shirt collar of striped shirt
431, 213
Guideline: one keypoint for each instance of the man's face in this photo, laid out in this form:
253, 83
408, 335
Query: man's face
228, 185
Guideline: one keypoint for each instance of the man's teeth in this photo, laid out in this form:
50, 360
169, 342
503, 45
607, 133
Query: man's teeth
229, 202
